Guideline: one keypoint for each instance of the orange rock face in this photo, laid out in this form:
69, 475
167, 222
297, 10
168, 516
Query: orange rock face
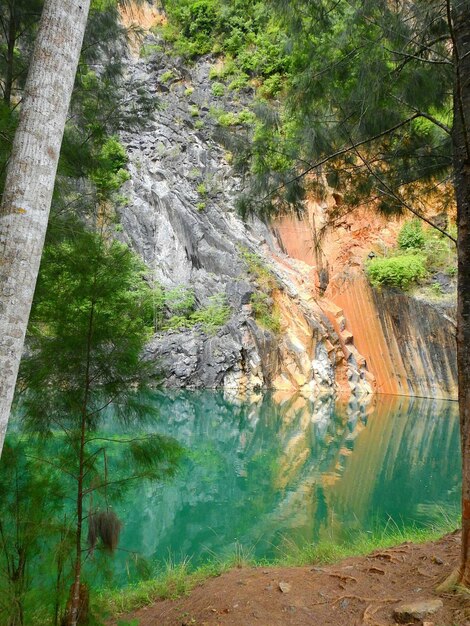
407, 345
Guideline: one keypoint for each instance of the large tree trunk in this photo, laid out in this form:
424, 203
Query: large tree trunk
461, 141
30, 178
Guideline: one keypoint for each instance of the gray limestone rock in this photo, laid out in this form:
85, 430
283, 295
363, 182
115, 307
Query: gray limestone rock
416, 610
180, 218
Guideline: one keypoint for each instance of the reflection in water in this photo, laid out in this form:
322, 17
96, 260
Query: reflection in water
286, 466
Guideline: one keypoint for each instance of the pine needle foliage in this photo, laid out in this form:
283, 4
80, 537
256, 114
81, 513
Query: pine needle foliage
91, 317
368, 109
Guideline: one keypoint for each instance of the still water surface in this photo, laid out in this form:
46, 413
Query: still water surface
284, 468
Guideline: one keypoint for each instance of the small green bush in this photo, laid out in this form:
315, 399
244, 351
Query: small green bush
264, 312
398, 271
109, 174
411, 236
211, 317
240, 81
180, 301
227, 119
261, 273
218, 89
166, 76
439, 251
271, 86
214, 315
148, 50
202, 189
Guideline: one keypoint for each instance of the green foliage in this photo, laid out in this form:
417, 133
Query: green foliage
194, 111
84, 281
258, 269
148, 50
397, 271
32, 496
180, 301
218, 89
264, 310
265, 313
246, 33
411, 235
214, 315
272, 86
110, 173
225, 70
441, 254
365, 107
167, 76
202, 189
90, 320
239, 82
242, 118
210, 317
421, 252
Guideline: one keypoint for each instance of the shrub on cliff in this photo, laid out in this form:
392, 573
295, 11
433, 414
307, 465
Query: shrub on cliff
398, 271
412, 236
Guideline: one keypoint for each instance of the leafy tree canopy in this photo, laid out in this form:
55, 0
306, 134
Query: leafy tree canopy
368, 108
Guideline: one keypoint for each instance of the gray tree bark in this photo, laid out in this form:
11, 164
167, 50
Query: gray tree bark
24, 211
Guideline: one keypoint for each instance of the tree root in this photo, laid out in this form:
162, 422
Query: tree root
350, 596
375, 570
368, 616
384, 555
421, 573
343, 577
450, 583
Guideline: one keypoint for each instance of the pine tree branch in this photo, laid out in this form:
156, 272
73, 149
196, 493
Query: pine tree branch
111, 440
340, 152
458, 78
391, 193
418, 58
57, 467
427, 116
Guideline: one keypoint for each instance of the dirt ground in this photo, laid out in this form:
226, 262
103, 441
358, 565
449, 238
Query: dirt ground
356, 591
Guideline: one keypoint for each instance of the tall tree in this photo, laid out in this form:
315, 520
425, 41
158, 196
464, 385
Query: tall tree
459, 22
18, 21
91, 317
30, 178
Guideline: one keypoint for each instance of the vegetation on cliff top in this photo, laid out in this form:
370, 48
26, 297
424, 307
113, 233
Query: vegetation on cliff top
422, 257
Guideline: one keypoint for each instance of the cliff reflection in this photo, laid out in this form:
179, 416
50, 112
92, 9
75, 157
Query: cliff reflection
280, 466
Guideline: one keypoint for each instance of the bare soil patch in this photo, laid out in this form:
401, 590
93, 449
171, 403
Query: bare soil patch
356, 591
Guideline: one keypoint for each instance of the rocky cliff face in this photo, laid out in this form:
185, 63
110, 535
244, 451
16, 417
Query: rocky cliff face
180, 218
406, 342
336, 334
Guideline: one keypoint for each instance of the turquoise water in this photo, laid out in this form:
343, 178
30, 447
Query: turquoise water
285, 469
